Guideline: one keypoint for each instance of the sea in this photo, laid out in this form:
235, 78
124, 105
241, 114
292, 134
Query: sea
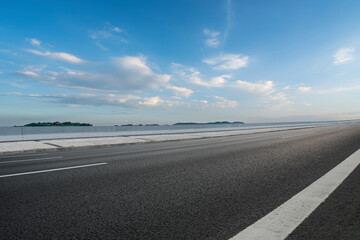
59, 132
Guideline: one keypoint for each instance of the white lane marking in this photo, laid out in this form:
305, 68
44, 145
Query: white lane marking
297, 135
25, 155
30, 160
51, 170
279, 223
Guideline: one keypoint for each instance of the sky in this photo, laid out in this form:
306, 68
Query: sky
119, 62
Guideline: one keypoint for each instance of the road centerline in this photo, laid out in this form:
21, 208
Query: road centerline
52, 170
279, 223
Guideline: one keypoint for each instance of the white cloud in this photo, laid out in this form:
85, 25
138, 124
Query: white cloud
11, 93
287, 88
108, 31
213, 38
227, 61
224, 103
102, 47
133, 73
269, 96
151, 101
339, 89
34, 41
303, 89
219, 81
123, 73
261, 87
29, 74
180, 91
203, 101
126, 101
194, 76
58, 56
343, 55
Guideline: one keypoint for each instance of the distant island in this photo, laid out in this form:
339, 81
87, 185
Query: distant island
209, 123
132, 125
60, 124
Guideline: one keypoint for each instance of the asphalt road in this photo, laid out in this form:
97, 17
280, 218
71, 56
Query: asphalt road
195, 189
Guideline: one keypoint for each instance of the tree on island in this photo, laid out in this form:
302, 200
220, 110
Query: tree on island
61, 124
208, 123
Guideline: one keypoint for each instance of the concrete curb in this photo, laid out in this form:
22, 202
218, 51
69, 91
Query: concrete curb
8, 148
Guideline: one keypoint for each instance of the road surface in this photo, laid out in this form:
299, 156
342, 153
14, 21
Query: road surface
210, 188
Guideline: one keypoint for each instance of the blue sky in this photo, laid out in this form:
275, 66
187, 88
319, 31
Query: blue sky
117, 62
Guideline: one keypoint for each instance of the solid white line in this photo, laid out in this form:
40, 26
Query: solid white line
30, 160
278, 224
52, 170
25, 155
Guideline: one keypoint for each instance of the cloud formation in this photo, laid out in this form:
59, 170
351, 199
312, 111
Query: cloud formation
126, 101
34, 41
108, 31
303, 89
212, 38
270, 97
67, 57
28, 74
123, 73
224, 103
193, 76
180, 91
132, 72
343, 55
339, 89
227, 61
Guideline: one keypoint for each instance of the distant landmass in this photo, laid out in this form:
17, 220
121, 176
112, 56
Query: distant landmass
61, 124
132, 125
209, 123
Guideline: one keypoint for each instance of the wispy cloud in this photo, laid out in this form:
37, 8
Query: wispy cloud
227, 61
120, 74
343, 55
28, 74
67, 57
180, 91
266, 92
34, 41
224, 103
11, 93
303, 89
126, 101
134, 73
108, 31
260, 87
212, 38
193, 76
338, 89
228, 19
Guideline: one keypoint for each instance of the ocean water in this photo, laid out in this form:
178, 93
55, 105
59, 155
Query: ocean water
39, 133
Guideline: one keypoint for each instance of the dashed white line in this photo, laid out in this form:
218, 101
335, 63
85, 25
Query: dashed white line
52, 170
31, 160
278, 224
